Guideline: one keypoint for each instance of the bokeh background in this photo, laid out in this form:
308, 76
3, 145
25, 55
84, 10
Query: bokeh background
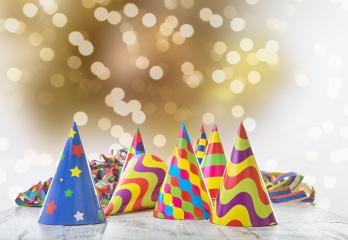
279, 66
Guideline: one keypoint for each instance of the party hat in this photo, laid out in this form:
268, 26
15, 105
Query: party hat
201, 145
136, 148
242, 200
214, 163
139, 185
183, 194
71, 198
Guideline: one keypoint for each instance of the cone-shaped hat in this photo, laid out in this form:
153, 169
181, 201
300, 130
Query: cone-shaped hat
71, 198
139, 185
183, 194
242, 199
214, 163
201, 145
136, 148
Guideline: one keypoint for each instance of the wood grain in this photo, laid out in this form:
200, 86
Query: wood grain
295, 221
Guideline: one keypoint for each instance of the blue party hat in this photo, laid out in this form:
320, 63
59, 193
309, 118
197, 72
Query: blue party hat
72, 199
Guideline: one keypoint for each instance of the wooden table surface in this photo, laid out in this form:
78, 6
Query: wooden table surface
295, 221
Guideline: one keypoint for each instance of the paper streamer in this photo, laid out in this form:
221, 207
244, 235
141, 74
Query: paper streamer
288, 187
242, 200
105, 173
139, 185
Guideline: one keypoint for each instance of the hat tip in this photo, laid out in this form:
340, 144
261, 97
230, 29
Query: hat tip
214, 128
241, 131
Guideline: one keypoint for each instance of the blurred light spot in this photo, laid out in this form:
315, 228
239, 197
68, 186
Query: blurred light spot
30, 10
172, 21
250, 124
159, 140
251, 2
142, 62
104, 124
237, 111
254, 77
166, 29
121, 108
59, 19
46, 54
187, 67
74, 62
237, 86
252, 59
272, 45
162, 45
114, 17
302, 80
186, 30
216, 21
88, 3
208, 118
86, 48
116, 131
238, 24
14, 74
130, 10
170, 107
314, 132
134, 105
99, 69
57, 80
220, 47
205, 14
4, 144
246, 44
329, 181
138, 117
149, 20
12, 25
129, 37
80, 118
156, 72
76, 38
125, 139
101, 14
35, 39
193, 80
218, 76
170, 4
49, 6
178, 38
233, 57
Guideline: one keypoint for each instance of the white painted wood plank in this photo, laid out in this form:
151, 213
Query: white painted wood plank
296, 221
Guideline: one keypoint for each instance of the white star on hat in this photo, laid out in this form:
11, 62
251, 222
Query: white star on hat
78, 216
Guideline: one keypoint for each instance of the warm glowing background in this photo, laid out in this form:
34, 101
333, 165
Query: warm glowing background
116, 65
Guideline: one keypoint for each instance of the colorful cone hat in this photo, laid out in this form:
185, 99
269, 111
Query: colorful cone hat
214, 163
139, 185
242, 200
183, 195
136, 148
71, 198
201, 145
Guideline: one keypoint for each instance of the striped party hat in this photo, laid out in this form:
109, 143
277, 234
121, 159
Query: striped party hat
201, 145
183, 195
242, 200
214, 163
139, 185
136, 148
